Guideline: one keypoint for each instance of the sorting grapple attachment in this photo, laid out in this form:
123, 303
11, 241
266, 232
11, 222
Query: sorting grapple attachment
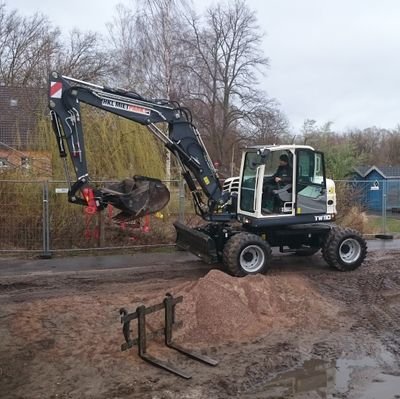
136, 197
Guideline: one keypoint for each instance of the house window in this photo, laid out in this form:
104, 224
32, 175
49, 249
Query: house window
13, 102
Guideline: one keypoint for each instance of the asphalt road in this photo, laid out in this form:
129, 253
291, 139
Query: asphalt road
13, 266
156, 261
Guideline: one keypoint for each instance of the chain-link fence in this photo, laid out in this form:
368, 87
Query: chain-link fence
22, 222
36, 217
372, 206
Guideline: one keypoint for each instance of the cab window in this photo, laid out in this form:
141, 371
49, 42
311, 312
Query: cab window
248, 188
310, 177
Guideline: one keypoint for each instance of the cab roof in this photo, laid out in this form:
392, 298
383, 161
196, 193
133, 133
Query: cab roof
279, 147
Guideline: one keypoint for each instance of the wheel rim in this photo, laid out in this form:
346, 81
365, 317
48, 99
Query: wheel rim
252, 258
349, 250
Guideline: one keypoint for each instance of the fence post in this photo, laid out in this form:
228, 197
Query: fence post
181, 200
101, 229
384, 203
45, 218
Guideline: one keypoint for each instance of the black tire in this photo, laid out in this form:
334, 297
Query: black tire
246, 253
306, 251
344, 249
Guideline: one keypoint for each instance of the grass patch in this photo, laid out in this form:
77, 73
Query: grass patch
375, 224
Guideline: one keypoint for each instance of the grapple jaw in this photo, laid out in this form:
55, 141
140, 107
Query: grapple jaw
136, 197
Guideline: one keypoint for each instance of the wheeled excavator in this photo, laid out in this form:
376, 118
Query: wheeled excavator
244, 218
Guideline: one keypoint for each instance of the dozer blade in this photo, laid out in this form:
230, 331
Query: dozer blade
136, 197
196, 242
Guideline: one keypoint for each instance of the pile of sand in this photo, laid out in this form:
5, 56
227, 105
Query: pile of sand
220, 308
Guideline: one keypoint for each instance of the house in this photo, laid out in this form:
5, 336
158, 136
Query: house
20, 108
378, 186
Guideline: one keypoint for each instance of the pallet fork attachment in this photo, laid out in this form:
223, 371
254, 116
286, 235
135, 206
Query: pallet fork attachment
168, 305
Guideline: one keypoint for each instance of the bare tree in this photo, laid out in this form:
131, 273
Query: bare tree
128, 69
319, 135
30, 47
147, 48
268, 125
160, 45
370, 143
225, 64
210, 64
377, 146
387, 153
26, 45
83, 57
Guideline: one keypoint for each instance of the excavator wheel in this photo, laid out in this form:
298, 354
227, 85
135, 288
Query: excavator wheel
344, 249
246, 253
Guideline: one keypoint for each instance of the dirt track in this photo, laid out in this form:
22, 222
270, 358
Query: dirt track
334, 334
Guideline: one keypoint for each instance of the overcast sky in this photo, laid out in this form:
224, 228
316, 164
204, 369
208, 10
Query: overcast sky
333, 61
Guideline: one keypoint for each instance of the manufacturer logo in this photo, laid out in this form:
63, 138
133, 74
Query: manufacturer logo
126, 107
323, 218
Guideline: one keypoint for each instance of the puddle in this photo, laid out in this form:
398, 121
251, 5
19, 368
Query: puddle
362, 377
383, 386
345, 367
315, 376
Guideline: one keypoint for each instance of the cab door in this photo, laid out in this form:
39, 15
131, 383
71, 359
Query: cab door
311, 197
251, 184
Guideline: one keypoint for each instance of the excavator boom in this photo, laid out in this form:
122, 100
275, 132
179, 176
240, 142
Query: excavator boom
139, 195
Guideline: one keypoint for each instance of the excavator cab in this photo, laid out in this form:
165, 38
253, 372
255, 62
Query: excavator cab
283, 185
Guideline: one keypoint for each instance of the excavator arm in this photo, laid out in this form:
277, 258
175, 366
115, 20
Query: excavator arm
140, 195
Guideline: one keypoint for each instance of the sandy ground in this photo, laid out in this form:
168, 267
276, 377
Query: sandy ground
303, 330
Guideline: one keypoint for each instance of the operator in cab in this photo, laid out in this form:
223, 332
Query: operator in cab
283, 174
281, 177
